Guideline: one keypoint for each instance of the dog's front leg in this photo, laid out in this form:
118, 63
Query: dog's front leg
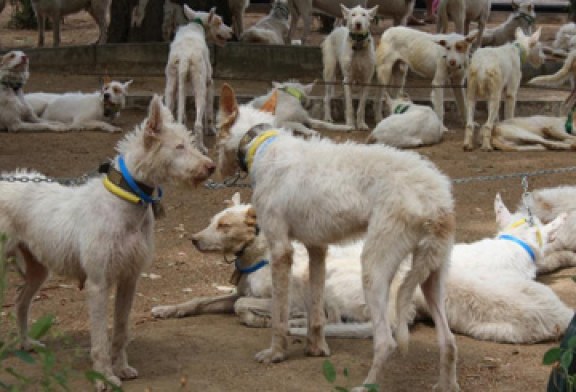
459, 97
124, 297
281, 267
348, 105
316, 342
361, 113
97, 297
437, 94
209, 114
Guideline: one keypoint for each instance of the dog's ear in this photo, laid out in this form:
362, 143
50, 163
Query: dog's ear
211, 14
373, 12
345, 11
127, 84
228, 111
470, 38
250, 219
188, 12
236, 199
550, 230
519, 33
276, 84
270, 105
308, 87
503, 216
514, 5
153, 125
534, 38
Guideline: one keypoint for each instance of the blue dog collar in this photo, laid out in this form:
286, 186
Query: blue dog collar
135, 188
253, 268
521, 243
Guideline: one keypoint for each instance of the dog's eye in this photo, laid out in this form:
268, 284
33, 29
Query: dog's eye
223, 226
180, 146
116, 90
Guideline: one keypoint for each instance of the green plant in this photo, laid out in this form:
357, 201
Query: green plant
330, 375
561, 358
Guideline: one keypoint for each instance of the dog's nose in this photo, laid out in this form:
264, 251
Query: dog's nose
358, 26
452, 63
210, 167
195, 242
106, 95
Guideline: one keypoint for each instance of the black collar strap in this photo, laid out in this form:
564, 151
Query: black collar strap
115, 177
12, 84
246, 140
111, 109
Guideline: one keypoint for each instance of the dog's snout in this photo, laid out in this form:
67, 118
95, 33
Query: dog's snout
195, 242
452, 63
210, 167
106, 95
358, 26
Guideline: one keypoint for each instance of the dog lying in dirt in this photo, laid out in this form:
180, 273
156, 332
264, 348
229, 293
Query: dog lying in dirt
522, 16
408, 125
16, 115
100, 233
490, 292
292, 104
271, 29
83, 112
535, 133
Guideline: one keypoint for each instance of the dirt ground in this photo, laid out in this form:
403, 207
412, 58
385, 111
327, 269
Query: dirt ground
215, 353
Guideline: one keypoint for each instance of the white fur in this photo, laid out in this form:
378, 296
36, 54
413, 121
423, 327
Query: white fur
354, 59
494, 72
462, 12
189, 69
87, 233
534, 133
398, 10
440, 58
16, 115
417, 126
271, 29
82, 111
564, 39
319, 192
566, 72
55, 10
238, 9
522, 16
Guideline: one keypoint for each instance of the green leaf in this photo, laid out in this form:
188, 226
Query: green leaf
572, 342
345, 372
552, 356
25, 356
341, 389
566, 359
372, 387
329, 371
49, 360
41, 326
17, 375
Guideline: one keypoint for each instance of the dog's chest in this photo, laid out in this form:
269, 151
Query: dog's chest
358, 65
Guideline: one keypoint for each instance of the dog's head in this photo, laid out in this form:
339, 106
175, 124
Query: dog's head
518, 225
14, 67
233, 122
523, 11
164, 150
530, 47
230, 230
216, 31
358, 19
401, 101
457, 50
113, 93
298, 90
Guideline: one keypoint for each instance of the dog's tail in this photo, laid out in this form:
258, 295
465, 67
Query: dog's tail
347, 330
315, 123
564, 73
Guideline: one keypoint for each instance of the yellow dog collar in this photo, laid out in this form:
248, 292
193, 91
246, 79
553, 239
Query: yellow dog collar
121, 193
265, 137
522, 221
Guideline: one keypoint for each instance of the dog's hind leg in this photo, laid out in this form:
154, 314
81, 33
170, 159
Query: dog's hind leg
125, 291
329, 74
316, 342
97, 298
35, 274
196, 306
171, 90
553, 261
41, 28
209, 114
200, 94
56, 19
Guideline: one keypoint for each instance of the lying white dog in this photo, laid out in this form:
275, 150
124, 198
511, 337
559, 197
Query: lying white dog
408, 125
490, 292
535, 133
272, 29
83, 112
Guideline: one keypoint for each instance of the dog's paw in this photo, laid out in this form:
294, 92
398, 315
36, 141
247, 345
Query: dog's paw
126, 372
164, 312
449, 387
102, 386
31, 344
363, 127
486, 147
468, 147
114, 129
320, 349
270, 356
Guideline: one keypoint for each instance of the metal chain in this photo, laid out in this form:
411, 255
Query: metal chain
66, 181
228, 182
525, 197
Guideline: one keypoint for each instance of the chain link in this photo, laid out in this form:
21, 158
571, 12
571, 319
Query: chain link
228, 182
496, 177
66, 181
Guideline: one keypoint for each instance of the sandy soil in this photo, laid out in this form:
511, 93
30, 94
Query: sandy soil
214, 353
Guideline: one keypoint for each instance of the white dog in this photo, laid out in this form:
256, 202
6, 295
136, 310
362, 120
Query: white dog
440, 58
350, 49
535, 133
83, 112
494, 71
320, 192
238, 9
462, 12
271, 29
16, 115
291, 112
56, 228
490, 292
189, 68
566, 72
408, 125
522, 16
56, 10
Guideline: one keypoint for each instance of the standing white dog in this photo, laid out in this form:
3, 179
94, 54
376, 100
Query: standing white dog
271, 29
351, 49
400, 200
408, 125
16, 115
189, 67
102, 232
83, 112
494, 71
462, 12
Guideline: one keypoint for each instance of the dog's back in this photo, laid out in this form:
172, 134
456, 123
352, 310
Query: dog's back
272, 29
66, 107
